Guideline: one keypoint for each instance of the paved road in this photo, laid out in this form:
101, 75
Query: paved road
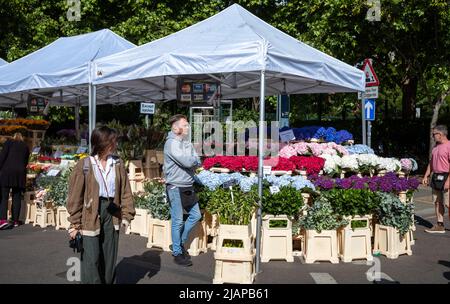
33, 255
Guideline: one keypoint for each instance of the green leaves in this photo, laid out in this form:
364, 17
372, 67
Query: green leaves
234, 207
394, 213
321, 216
351, 202
288, 201
154, 200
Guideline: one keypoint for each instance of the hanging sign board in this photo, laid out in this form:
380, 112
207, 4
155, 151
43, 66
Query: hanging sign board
147, 108
196, 91
36, 105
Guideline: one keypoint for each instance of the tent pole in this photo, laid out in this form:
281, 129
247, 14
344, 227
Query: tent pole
92, 106
260, 168
77, 119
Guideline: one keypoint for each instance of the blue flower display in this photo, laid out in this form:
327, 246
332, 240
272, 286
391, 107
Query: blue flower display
327, 134
359, 149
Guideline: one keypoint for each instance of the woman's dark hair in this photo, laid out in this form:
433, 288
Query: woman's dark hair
101, 139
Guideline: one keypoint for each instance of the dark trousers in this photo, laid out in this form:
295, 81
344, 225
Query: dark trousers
98, 260
16, 203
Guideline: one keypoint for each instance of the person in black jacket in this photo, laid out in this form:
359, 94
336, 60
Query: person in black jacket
13, 172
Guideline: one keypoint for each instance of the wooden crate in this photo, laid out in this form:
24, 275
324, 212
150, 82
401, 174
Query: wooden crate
159, 234
276, 243
44, 217
197, 241
355, 243
389, 243
320, 246
62, 218
139, 225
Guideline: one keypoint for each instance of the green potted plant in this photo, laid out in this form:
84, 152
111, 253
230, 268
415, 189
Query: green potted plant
280, 208
58, 189
392, 232
356, 206
159, 224
320, 226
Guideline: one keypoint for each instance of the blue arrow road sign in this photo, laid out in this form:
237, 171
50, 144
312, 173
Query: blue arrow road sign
369, 109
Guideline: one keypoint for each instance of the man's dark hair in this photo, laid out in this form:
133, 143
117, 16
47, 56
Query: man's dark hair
176, 118
101, 139
442, 129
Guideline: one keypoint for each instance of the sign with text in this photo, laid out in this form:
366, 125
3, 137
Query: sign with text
370, 93
267, 170
287, 136
147, 108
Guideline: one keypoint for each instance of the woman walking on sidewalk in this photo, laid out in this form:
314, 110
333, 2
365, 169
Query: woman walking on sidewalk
99, 200
13, 175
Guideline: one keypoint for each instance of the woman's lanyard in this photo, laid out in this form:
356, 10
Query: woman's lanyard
101, 174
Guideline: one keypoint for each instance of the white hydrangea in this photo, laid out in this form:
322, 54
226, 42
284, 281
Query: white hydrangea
332, 163
370, 160
349, 162
389, 164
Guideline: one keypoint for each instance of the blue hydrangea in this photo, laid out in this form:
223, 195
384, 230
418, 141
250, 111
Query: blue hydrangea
208, 179
359, 149
247, 183
300, 183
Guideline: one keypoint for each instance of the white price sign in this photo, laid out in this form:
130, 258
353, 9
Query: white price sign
147, 108
53, 172
287, 136
267, 170
274, 189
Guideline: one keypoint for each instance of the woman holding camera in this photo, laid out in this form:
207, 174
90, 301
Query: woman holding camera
99, 201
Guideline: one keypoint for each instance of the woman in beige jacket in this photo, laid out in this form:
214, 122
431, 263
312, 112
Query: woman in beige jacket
99, 201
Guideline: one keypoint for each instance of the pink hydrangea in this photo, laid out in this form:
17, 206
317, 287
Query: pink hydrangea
287, 152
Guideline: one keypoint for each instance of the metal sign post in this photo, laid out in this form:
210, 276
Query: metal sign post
363, 122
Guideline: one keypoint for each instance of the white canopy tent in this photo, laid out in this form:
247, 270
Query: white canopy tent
61, 73
245, 54
3, 62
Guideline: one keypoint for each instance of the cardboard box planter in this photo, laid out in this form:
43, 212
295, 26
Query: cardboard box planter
233, 264
62, 216
355, 243
389, 243
29, 198
159, 234
197, 242
139, 225
276, 241
320, 246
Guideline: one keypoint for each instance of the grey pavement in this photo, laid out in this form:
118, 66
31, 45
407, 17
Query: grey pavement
34, 255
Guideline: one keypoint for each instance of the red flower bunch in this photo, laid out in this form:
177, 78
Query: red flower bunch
43, 159
251, 163
311, 164
279, 164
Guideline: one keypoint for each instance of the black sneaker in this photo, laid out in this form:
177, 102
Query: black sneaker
182, 260
185, 252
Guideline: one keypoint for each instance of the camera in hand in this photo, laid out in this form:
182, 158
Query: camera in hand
77, 243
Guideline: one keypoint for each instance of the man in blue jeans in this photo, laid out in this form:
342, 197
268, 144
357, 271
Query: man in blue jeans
180, 161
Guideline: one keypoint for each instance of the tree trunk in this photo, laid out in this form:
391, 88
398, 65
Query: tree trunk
409, 94
255, 104
434, 118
